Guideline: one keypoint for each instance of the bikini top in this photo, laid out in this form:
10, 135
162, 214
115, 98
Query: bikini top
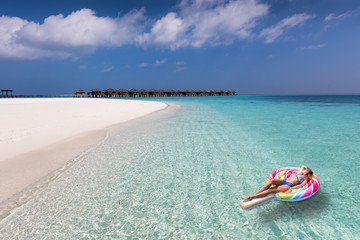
299, 178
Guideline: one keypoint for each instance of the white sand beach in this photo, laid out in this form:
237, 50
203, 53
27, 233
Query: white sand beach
37, 136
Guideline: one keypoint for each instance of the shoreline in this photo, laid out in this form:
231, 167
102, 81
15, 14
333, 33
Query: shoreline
16, 201
28, 191
20, 172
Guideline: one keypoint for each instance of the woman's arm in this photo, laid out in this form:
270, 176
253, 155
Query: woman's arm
296, 186
299, 185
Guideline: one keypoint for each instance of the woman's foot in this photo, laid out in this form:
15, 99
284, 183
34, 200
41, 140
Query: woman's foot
246, 198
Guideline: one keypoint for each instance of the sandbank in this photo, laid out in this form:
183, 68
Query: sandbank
38, 136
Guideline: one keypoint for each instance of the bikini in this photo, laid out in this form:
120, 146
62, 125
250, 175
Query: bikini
298, 177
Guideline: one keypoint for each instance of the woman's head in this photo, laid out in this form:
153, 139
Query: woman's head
304, 170
308, 173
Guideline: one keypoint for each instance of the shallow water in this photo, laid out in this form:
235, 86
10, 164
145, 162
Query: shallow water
181, 175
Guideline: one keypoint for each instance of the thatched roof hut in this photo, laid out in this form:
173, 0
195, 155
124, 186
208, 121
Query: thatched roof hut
96, 93
123, 92
152, 93
95, 90
111, 92
80, 92
143, 93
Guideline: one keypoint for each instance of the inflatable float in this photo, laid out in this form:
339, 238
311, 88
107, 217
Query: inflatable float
299, 194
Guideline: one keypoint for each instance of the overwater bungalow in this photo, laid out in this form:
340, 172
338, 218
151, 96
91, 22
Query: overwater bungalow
133, 93
111, 93
153, 93
123, 93
80, 93
143, 93
96, 93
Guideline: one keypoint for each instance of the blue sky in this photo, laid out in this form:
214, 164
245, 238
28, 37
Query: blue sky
253, 47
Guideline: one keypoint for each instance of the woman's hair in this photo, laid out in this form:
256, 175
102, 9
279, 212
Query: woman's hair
309, 175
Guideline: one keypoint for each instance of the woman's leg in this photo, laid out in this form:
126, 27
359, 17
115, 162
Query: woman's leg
276, 182
282, 188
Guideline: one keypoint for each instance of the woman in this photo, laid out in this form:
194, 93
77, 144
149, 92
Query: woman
286, 185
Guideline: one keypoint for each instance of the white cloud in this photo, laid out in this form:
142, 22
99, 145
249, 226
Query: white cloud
159, 62
9, 48
180, 69
310, 47
203, 22
333, 16
193, 23
155, 64
83, 66
180, 63
108, 69
60, 37
220, 22
271, 34
166, 31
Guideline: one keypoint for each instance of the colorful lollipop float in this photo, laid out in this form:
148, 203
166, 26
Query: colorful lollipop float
299, 194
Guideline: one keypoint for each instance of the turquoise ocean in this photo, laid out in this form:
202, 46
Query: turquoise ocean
180, 174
